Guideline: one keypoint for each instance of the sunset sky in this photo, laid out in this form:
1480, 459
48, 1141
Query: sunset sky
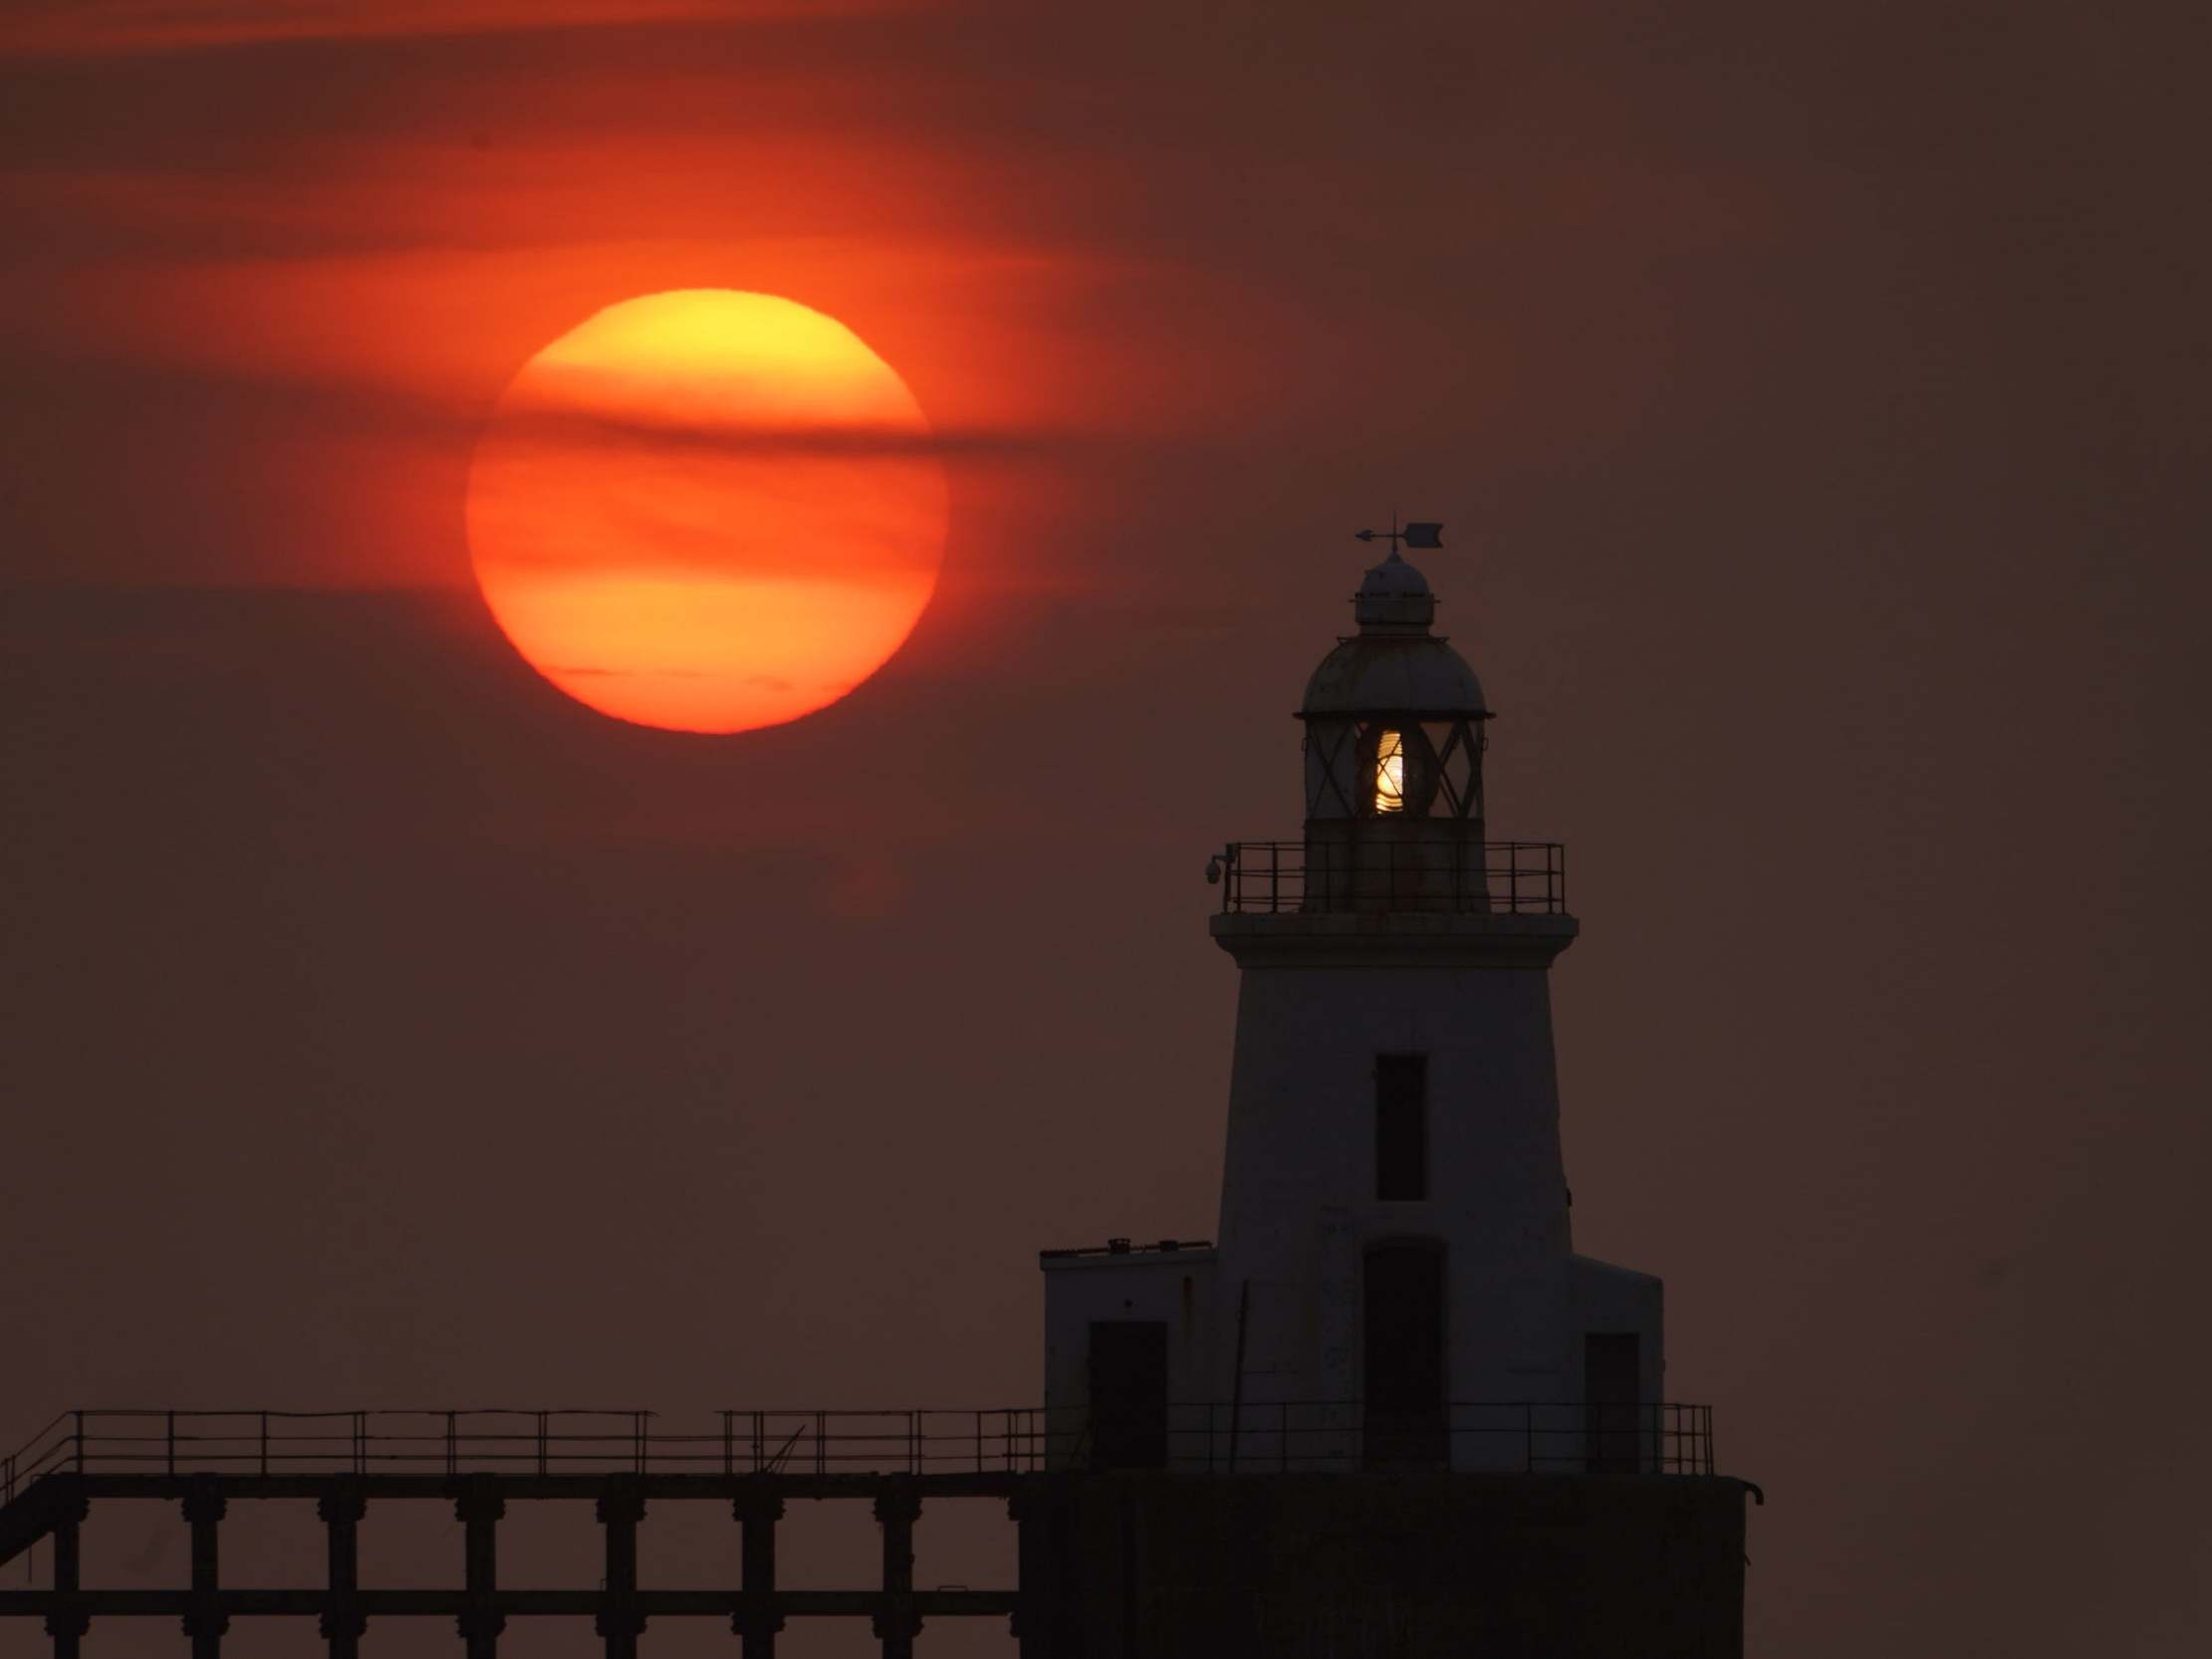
1814, 399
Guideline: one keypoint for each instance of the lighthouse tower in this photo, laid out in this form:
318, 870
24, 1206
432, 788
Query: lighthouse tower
1393, 1282
1394, 1210
1388, 1408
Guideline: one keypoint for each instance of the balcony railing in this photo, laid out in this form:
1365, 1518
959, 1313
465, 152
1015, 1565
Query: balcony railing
1335, 1436
1394, 874
1216, 1437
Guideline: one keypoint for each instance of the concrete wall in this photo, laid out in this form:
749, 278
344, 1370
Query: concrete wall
1381, 1567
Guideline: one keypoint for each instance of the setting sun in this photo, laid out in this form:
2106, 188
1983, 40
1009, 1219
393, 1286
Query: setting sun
707, 510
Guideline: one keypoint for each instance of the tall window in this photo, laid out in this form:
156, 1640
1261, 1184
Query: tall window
1401, 1125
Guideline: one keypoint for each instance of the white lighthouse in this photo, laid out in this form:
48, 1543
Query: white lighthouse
1393, 1283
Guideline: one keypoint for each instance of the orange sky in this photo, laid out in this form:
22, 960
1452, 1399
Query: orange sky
395, 253
461, 187
1807, 391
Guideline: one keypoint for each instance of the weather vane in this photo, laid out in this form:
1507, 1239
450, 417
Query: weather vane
1412, 535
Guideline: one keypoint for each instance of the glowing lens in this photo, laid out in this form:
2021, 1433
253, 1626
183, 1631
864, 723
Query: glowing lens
1389, 773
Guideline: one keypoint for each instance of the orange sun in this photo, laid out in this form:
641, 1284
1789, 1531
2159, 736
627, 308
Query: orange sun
707, 510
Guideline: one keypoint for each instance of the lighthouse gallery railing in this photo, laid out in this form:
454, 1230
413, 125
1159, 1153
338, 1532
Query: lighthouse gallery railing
1464, 877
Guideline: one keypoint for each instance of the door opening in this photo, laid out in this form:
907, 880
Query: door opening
1610, 1391
1129, 1394
1405, 1351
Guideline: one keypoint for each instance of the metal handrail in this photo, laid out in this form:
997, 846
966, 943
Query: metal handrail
1391, 874
1655, 1436
1533, 1436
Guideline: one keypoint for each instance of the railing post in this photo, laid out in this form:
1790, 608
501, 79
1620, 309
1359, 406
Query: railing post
452, 1445
1528, 1438
544, 1434
360, 1442
264, 1443
79, 1416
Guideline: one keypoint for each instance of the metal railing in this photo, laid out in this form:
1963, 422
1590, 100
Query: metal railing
1393, 874
1309, 1436
1213, 1436
528, 1442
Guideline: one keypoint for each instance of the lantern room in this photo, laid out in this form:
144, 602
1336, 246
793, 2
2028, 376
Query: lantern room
1394, 721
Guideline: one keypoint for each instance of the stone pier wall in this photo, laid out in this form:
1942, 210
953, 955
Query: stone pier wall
1381, 1567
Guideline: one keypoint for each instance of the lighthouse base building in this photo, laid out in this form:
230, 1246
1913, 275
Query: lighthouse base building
1387, 1409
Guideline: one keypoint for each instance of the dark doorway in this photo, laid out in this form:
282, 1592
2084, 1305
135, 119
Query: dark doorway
1610, 1387
1405, 1346
1129, 1394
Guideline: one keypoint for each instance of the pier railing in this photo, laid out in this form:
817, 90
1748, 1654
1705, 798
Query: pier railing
1217, 1437
1008, 1439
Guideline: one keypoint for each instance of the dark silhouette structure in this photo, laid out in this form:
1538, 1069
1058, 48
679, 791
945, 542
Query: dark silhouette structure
755, 1464
1448, 1428
1112, 1559
1390, 1412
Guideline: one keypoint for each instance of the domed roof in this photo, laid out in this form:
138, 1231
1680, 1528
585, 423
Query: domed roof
1393, 665
1394, 673
1394, 596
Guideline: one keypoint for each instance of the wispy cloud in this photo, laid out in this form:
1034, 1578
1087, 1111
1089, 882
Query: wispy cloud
97, 27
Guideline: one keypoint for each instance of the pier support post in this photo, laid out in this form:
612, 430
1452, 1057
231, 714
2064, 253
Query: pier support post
898, 1507
621, 1508
758, 1622
204, 1621
68, 1623
478, 1507
340, 1507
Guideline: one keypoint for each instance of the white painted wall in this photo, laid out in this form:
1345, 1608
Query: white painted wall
1172, 1285
1321, 996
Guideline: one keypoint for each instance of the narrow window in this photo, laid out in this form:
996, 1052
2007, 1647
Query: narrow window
1401, 1125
